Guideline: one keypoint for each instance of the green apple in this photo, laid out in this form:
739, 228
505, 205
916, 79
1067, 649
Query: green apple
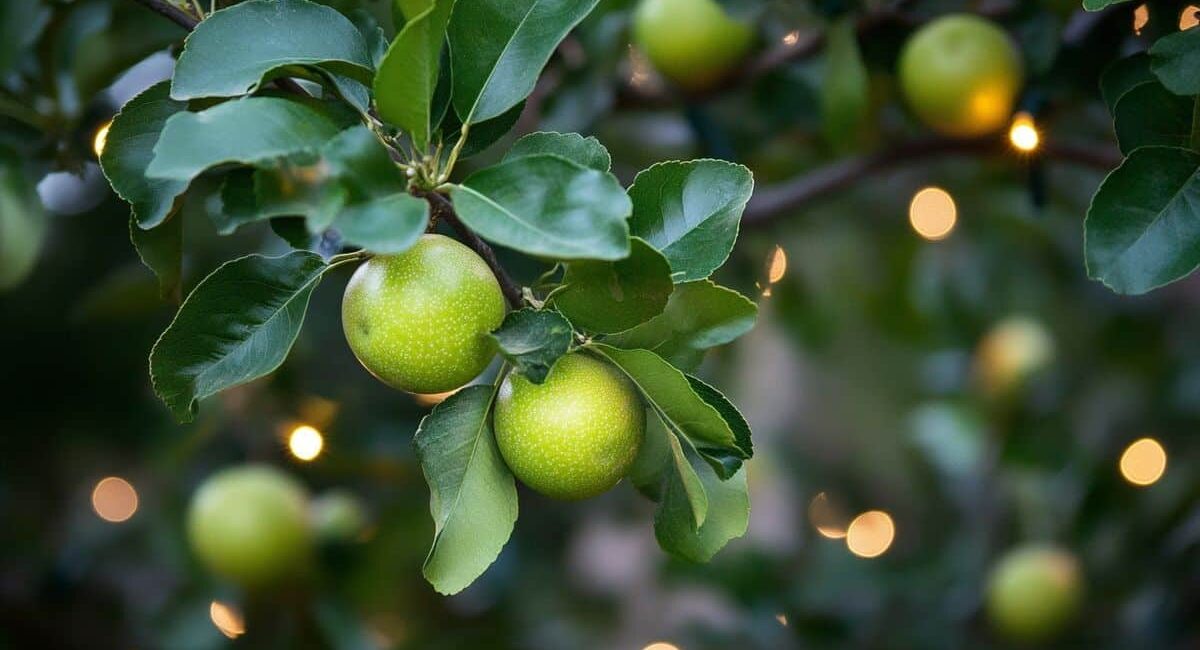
1033, 592
961, 75
250, 524
694, 43
338, 516
575, 435
419, 320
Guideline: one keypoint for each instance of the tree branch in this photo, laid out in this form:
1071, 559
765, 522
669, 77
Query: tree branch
443, 209
172, 12
773, 202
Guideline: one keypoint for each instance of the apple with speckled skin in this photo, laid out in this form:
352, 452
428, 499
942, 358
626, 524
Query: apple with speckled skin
1033, 592
694, 43
419, 320
575, 435
961, 75
250, 524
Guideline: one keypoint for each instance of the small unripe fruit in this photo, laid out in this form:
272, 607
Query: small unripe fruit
419, 320
338, 516
574, 436
1033, 592
1010, 353
691, 42
961, 75
250, 525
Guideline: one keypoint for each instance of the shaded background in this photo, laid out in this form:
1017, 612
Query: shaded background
862, 380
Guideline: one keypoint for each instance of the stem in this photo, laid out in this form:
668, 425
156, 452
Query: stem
444, 210
444, 175
175, 14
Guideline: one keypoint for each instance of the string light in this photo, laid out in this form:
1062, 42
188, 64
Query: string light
1189, 17
227, 619
101, 138
826, 517
1143, 462
305, 442
870, 534
1141, 16
776, 268
932, 213
1024, 134
791, 38
114, 499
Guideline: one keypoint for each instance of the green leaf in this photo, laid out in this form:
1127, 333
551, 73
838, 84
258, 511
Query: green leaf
547, 205
732, 416
1175, 58
690, 211
532, 340
234, 50
586, 152
845, 88
129, 150
387, 225
499, 47
605, 297
670, 394
684, 504
408, 76
1151, 115
21, 22
1123, 75
728, 514
1143, 227
161, 250
482, 134
472, 495
22, 223
1097, 5
248, 131
237, 325
699, 315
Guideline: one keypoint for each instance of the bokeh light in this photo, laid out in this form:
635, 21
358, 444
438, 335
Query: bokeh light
1189, 17
871, 534
114, 499
1143, 462
791, 38
305, 442
227, 619
1023, 133
1141, 16
826, 517
932, 213
101, 138
661, 645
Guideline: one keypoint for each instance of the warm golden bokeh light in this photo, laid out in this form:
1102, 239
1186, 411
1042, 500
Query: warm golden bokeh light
306, 442
826, 517
776, 265
870, 534
227, 619
661, 645
1144, 462
1189, 17
791, 38
782, 618
432, 399
1141, 16
114, 499
932, 213
1024, 134
101, 139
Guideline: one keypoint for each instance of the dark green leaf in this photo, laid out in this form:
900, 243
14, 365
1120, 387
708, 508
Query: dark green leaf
234, 50
732, 416
161, 250
386, 225
21, 22
499, 47
408, 76
1175, 58
22, 223
728, 512
129, 150
690, 211
684, 504
237, 325
845, 100
606, 297
1123, 75
1097, 5
586, 152
472, 495
532, 340
248, 131
1151, 115
1143, 227
482, 134
699, 315
547, 205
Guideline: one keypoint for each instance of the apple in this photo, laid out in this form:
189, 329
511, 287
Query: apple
1010, 353
575, 435
338, 516
419, 320
1033, 592
961, 75
250, 524
694, 43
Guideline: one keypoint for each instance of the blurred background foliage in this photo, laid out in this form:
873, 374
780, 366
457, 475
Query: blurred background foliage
976, 388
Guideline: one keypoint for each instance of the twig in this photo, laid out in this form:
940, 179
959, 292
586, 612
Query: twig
444, 210
174, 13
770, 203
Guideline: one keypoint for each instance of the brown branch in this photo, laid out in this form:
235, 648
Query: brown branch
770, 203
172, 12
443, 209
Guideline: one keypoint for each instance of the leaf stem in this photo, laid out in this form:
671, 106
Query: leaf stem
444, 175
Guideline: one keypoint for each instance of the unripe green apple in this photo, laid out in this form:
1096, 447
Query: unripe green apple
338, 516
250, 524
1033, 592
961, 75
419, 320
575, 435
1010, 353
691, 42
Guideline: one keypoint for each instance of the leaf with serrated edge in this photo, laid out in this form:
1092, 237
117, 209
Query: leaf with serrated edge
1175, 58
1151, 115
728, 515
161, 250
129, 149
386, 225
587, 152
601, 296
472, 495
532, 340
